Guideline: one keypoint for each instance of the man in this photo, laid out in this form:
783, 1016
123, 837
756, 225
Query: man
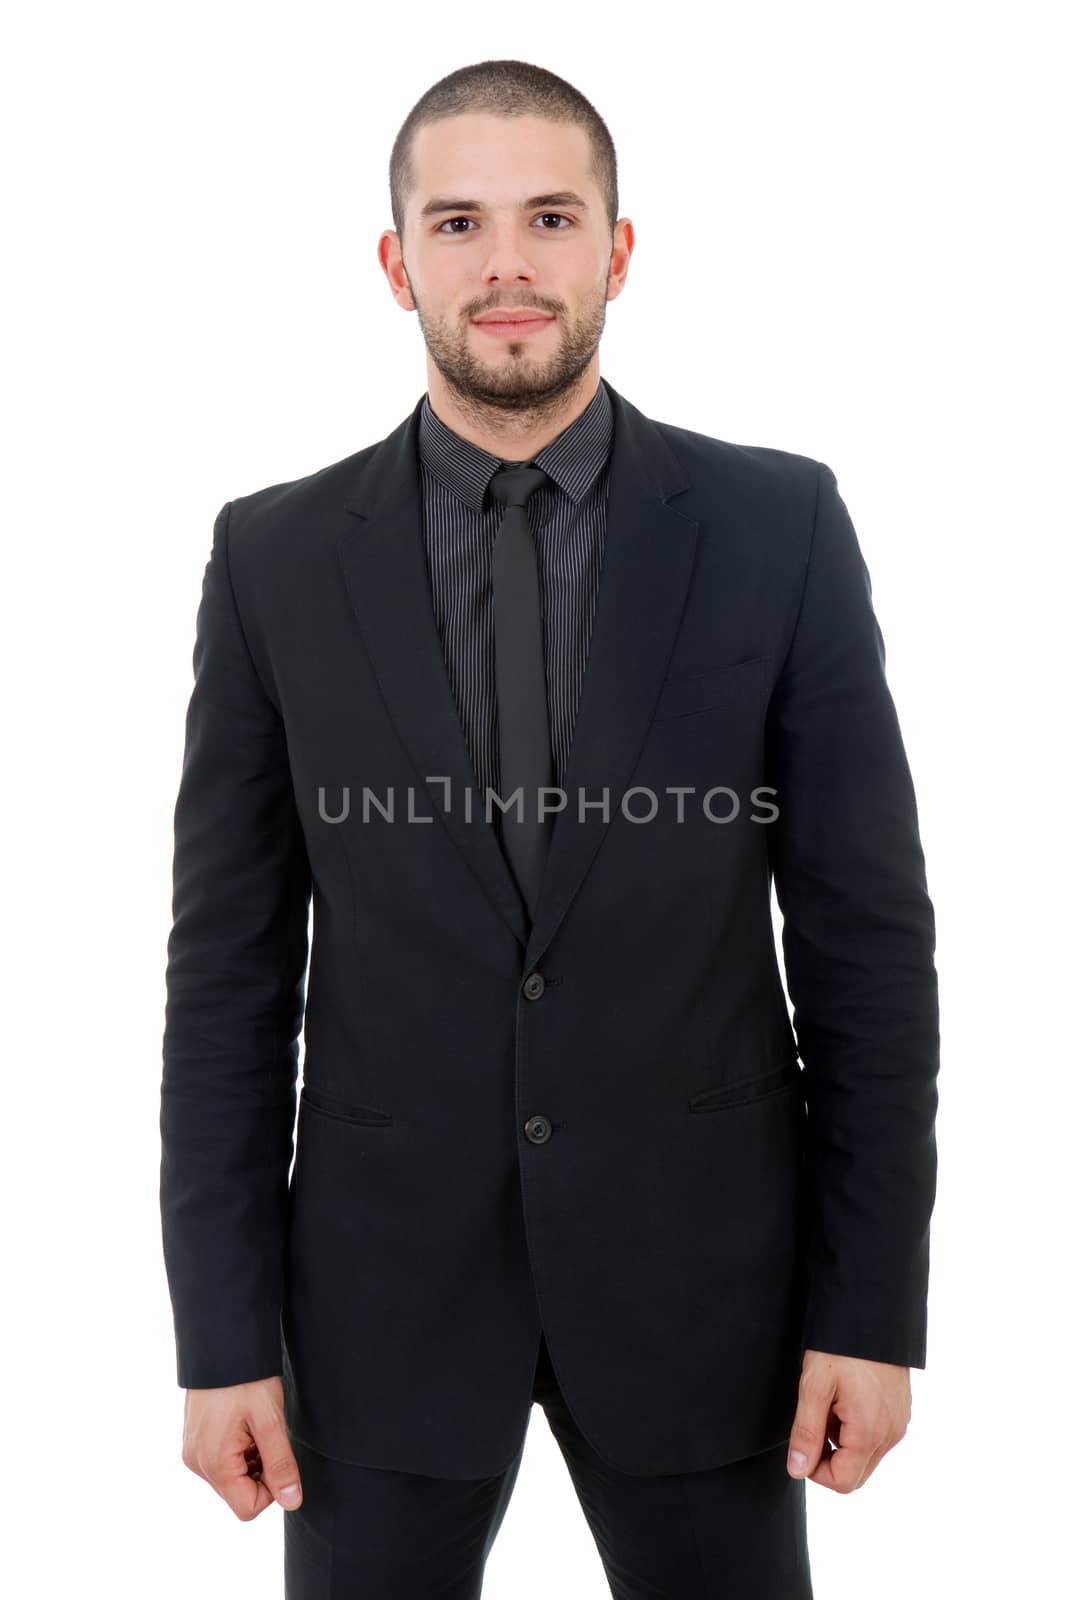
554, 1141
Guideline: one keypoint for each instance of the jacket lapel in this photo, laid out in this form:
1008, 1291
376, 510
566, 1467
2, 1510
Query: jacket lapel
646, 566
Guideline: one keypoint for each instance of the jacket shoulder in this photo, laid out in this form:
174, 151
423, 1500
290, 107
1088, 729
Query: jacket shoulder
750, 496
283, 503
277, 532
761, 474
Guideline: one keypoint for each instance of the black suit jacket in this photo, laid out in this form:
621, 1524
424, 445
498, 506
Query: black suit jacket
596, 1123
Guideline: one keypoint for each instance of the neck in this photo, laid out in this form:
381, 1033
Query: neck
511, 435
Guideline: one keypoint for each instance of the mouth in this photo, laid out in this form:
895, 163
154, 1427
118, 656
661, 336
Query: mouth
513, 327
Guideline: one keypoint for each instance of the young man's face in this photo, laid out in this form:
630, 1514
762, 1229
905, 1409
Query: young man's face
525, 242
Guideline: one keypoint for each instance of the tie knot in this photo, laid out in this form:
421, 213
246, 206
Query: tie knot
513, 486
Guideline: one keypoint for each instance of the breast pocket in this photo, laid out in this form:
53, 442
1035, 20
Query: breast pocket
703, 691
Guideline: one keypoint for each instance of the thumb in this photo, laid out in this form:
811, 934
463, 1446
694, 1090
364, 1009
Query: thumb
279, 1469
810, 1428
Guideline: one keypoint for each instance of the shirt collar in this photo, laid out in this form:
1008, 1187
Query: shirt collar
573, 459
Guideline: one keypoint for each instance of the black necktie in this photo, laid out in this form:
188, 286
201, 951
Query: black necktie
525, 755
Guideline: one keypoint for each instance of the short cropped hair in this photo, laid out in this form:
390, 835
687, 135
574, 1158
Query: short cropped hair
504, 89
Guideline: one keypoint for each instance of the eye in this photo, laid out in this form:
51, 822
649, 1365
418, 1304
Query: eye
555, 216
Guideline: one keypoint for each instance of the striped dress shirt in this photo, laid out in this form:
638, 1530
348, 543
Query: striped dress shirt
568, 520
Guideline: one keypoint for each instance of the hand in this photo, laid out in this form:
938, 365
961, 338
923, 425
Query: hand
236, 1439
862, 1407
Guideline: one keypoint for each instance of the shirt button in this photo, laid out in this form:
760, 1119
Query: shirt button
534, 987
537, 1129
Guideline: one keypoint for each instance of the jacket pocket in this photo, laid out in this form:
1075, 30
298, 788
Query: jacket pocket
331, 1105
701, 691
762, 1086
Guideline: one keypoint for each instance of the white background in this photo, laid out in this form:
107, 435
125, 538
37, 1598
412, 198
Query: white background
857, 237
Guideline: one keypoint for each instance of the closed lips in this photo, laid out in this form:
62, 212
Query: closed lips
513, 320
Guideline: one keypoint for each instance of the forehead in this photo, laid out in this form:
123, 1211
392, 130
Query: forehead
499, 159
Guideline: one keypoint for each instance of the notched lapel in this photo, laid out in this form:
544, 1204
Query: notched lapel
647, 564
385, 567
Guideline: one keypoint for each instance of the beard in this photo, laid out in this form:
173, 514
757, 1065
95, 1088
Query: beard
517, 380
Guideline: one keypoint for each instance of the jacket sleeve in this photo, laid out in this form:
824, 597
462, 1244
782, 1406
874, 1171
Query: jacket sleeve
235, 981
859, 945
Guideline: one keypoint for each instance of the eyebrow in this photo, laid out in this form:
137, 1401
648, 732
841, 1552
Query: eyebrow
562, 197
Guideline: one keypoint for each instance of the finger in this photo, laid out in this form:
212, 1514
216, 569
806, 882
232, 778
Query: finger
882, 1450
229, 1467
848, 1467
845, 1470
279, 1469
882, 1447
809, 1430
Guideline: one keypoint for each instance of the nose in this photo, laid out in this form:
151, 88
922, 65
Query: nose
506, 259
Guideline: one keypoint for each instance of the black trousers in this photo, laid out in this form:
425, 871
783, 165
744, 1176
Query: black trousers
734, 1533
